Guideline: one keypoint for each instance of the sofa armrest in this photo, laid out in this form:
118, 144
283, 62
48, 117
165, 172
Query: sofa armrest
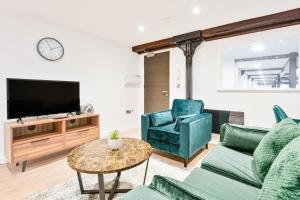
146, 123
195, 132
246, 128
174, 189
297, 120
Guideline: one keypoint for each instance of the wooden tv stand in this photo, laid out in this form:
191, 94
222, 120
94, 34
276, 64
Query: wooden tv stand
41, 137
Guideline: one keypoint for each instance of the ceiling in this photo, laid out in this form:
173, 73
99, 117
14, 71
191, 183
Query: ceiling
118, 20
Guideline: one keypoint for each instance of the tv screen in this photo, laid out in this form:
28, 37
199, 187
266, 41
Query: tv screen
41, 97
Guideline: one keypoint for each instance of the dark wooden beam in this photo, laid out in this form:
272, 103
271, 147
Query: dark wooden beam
278, 20
153, 46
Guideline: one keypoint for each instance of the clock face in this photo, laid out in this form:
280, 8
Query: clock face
50, 49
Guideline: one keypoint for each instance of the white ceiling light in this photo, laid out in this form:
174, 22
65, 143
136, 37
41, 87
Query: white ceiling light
281, 41
257, 47
196, 10
141, 28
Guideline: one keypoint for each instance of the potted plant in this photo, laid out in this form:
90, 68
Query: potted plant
114, 141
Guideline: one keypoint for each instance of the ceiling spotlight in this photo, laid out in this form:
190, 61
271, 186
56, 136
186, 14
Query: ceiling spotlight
230, 49
196, 10
281, 41
141, 28
257, 47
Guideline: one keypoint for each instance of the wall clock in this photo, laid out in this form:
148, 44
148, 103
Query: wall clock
50, 49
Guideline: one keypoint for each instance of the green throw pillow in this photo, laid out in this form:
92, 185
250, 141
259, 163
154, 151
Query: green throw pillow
161, 118
179, 119
283, 178
242, 138
273, 142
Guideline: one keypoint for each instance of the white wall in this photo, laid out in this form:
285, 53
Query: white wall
256, 105
99, 65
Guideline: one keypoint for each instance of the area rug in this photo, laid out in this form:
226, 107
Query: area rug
129, 179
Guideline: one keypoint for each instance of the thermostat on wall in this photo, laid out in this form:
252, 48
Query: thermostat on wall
132, 80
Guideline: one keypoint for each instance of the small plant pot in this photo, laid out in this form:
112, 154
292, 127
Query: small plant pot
114, 144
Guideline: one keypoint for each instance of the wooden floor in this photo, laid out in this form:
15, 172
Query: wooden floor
47, 172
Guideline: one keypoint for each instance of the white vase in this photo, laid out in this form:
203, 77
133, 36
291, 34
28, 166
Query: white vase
114, 144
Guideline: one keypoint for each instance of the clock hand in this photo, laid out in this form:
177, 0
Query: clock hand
48, 45
55, 47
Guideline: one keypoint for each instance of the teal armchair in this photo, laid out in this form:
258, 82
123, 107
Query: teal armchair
181, 131
280, 114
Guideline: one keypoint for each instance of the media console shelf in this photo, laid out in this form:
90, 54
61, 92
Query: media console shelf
37, 138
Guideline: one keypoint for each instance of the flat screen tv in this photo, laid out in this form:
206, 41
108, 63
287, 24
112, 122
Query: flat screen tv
27, 98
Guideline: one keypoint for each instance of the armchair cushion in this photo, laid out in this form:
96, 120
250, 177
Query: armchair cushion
161, 118
283, 178
241, 138
270, 146
165, 133
179, 119
186, 107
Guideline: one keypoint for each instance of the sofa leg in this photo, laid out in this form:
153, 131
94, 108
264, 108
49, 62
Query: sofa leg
206, 146
185, 161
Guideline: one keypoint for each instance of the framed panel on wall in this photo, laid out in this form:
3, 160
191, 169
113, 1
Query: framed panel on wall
266, 64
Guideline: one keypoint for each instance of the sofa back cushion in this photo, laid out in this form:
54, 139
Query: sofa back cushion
272, 143
161, 118
182, 107
283, 178
243, 139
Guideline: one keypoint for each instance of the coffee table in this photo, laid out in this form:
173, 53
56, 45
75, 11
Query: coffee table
97, 158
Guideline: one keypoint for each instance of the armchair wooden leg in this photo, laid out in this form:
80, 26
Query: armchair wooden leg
185, 161
206, 146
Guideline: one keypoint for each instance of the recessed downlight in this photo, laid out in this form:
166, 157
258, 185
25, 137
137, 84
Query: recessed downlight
196, 10
141, 28
257, 47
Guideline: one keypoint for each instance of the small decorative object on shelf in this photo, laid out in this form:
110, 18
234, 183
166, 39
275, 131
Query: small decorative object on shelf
87, 109
114, 141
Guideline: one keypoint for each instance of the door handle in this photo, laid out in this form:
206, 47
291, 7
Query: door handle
39, 140
165, 93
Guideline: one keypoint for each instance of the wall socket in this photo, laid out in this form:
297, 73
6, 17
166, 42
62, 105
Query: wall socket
129, 111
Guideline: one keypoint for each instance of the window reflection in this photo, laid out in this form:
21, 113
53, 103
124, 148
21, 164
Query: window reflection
261, 65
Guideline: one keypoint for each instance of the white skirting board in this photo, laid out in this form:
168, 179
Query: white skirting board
3, 160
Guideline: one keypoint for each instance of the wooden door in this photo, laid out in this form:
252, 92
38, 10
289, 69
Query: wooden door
156, 93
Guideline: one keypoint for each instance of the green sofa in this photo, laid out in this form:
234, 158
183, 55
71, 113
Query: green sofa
226, 173
280, 114
181, 131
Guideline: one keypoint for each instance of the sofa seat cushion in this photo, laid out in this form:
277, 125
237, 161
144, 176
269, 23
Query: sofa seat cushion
270, 146
143, 193
213, 186
234, 164
165, 133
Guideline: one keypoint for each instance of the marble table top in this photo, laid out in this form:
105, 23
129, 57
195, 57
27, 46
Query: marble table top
97, 158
